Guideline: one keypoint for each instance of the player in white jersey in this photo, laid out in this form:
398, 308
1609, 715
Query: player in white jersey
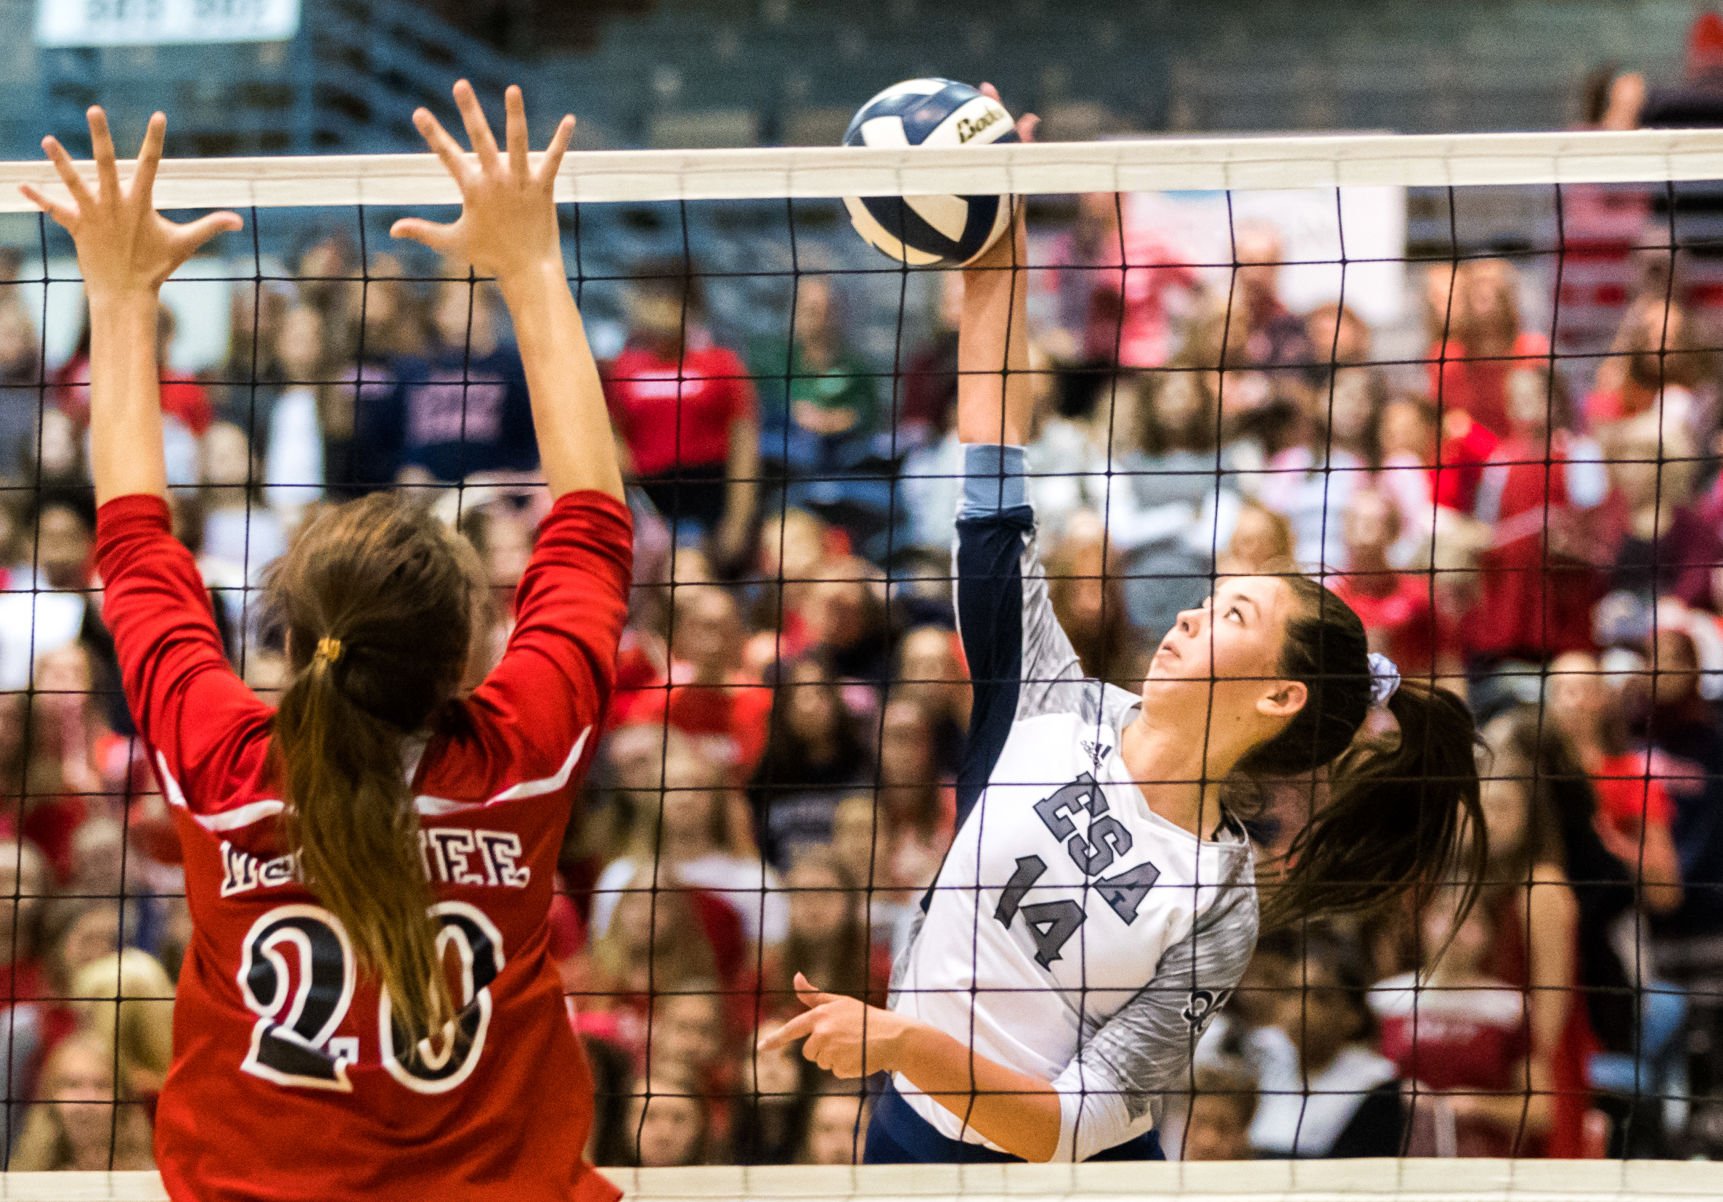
1099, 900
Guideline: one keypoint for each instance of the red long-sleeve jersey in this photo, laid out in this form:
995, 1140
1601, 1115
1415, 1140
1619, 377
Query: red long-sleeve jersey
287, 1081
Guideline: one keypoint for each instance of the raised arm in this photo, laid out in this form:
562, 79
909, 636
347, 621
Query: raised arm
198, 718
995, 396
507, 229
126, 252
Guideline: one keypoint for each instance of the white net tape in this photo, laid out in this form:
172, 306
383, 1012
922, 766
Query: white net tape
1051, 167
1248, 1181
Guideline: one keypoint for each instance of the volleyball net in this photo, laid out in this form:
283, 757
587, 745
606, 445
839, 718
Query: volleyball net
1472, 383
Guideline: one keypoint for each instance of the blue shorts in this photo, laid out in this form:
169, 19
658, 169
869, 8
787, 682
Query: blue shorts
898, 1135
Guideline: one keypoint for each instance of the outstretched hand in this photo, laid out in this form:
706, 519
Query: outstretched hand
508, 211
845, 1036
124, 245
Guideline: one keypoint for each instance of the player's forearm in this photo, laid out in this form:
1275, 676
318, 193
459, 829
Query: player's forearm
576, 446
995, 398
126, 454
1016, 1111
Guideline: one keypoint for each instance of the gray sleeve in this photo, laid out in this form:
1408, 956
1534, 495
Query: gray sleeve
1005, 613
1053, 679
1111, 1091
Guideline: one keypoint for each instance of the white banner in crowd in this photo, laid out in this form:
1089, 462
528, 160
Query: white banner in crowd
163, 22
1310, 222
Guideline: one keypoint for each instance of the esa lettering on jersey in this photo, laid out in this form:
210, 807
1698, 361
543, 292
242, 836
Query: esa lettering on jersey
1052, 923
452, 856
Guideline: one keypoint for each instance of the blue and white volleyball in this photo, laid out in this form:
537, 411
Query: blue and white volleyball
930, 231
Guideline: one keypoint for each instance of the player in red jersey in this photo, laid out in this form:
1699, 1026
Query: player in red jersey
367, 1009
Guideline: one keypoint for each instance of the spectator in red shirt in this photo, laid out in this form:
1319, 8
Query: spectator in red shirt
707, 696
1659, 355
1480, 342
686, 411
1540, 495
1634, 812
1461, 1034
1453, 451
1397, 608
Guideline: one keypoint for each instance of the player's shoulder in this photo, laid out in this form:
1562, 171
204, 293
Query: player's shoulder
473, 762
243, 791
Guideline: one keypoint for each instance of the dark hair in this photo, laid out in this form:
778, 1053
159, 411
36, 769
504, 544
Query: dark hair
1339, 954
1200, 432
788, 759
1397, 820
1232, 1082
376, 603
77, 499
840, 965
675, 277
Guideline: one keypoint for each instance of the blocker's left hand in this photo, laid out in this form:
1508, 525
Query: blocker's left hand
845, 1036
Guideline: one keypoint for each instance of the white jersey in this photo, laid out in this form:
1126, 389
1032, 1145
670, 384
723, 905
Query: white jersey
1071, 934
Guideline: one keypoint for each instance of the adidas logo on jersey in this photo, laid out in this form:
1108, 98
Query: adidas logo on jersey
1097, 751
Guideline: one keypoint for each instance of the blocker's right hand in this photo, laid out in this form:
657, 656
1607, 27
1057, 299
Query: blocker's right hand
125, 247
507, 224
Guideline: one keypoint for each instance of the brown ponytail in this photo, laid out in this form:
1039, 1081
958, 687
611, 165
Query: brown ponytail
1396, 820
376, 603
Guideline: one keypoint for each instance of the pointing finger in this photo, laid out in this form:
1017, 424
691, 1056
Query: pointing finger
797, 1028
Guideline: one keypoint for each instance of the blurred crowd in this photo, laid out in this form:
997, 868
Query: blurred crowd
773, 790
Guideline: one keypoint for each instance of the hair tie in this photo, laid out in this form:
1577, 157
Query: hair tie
1384, 679
328, 649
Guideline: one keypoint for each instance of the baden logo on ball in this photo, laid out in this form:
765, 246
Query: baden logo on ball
930, 231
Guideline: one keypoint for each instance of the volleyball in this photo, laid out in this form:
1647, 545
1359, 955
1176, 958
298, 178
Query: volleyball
930, 231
